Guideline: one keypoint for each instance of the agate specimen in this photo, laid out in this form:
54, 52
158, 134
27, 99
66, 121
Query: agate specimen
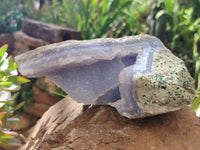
137, 75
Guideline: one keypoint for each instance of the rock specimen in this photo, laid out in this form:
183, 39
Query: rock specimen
137, 75
66, 126
29, 41
24, 43
48, 32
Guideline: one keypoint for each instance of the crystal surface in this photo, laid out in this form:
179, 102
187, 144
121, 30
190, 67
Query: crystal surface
137, 75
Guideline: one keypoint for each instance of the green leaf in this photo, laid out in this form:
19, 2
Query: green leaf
4, 96
10, 63
4, 79
5, 84
195, 103
9, 72
12, 120
4, 57
198, 111
3, 118
197, 72
104, 6
18, 106
18, 79
125, 4
2, 115
13, 143
15, 95
4, 64
12, 87
112, 5
14, 66
3, 49
161, 13
6, 135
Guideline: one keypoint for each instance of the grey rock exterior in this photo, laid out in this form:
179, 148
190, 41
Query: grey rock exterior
137, 75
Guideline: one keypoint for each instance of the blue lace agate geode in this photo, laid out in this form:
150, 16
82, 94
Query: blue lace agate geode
137, 75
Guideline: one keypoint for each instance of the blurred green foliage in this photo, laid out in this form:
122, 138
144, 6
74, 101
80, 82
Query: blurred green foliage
8, 139
94, 18
11, 15
184, 27
7, 5
9, 82
26, 94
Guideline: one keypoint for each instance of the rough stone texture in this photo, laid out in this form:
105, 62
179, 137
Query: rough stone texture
37, 109
28, 40
67, 110
25, 132
137, 75
19, 48
24, 125
7, 38
42, 97
65, 126
24, 43
48, 32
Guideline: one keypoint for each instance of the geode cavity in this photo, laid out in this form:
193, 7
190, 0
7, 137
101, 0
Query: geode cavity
137, 75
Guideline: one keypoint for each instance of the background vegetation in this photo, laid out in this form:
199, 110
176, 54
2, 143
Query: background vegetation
9, 82
175, 22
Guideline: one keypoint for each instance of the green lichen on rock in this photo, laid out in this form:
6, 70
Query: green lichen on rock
170, 86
